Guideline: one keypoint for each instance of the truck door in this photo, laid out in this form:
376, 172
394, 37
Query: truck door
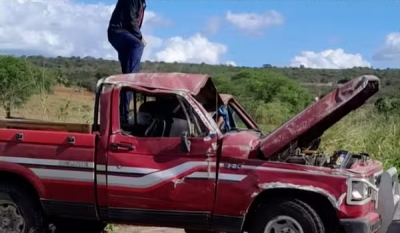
151, 177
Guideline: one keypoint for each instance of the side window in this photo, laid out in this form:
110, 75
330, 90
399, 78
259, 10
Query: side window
236, 120
197, 127
156, 115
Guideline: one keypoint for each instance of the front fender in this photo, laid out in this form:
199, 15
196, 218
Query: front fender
336, 201
26, 174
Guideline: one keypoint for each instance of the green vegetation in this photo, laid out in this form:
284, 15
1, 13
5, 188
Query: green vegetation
271, 95
19, 80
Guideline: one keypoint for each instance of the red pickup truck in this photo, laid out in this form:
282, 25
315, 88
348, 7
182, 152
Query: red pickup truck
166, 163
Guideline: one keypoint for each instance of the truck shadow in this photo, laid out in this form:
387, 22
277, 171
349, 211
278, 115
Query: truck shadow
395, 227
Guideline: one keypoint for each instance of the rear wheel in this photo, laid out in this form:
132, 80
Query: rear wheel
19, 211
287, 216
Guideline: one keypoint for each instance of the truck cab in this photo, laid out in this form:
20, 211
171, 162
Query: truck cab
167, 163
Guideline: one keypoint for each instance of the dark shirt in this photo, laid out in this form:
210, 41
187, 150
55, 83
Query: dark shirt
128, 16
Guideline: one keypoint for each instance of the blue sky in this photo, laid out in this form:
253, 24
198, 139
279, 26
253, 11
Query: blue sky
316, 34
355, 26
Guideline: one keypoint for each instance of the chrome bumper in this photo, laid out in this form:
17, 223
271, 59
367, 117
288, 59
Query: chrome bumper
388, 198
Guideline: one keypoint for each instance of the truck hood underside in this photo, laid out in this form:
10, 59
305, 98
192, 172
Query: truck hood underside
312, 122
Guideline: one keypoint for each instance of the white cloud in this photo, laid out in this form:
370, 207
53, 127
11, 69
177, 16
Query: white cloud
196, 48
70, 28
391, 48
329, 59
253, 23
230, 63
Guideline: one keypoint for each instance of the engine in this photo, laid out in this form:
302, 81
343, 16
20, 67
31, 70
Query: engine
340, 159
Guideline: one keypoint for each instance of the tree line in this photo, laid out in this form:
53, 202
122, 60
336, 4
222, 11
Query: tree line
270, 94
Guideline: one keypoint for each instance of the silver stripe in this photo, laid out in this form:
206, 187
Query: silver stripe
221, 176
48, 162
101, 179
231, 177
101, 168
63, 175
136, 170
153, 178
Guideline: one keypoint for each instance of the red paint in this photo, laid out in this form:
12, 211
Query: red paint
201, 195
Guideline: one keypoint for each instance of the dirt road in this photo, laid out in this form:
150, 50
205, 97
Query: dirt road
394, 228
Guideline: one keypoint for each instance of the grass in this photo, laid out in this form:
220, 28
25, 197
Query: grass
365, 130
64, 105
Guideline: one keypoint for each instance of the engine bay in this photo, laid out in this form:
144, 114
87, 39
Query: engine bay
339, 160
307, 153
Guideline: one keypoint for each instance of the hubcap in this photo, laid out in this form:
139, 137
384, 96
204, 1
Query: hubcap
283, 224
11, 219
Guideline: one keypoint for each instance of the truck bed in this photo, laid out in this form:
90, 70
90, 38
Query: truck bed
45, 125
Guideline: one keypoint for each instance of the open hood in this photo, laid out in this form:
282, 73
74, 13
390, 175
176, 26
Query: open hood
312, 122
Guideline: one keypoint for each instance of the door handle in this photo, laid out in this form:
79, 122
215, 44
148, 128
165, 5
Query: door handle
118, 146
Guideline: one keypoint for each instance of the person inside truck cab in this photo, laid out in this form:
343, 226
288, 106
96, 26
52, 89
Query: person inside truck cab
223, 118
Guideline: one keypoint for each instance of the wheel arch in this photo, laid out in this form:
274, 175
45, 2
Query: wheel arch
320, 200
24, 176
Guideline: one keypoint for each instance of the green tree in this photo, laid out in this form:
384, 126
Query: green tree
270, 86
19, 80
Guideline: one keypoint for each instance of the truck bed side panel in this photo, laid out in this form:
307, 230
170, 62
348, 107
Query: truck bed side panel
64, 163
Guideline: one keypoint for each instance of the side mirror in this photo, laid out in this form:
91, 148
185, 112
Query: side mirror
185, 143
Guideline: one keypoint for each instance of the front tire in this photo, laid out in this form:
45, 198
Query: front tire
19, 211
287, 216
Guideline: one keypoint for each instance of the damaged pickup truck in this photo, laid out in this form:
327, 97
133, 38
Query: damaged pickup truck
168, 164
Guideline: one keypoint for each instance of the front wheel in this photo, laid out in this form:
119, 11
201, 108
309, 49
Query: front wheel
287, 216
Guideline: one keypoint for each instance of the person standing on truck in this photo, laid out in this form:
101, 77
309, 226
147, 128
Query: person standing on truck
125, 36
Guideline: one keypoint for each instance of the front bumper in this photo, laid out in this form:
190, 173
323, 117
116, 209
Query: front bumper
360, 225
386, 197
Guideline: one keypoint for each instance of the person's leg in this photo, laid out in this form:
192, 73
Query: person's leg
117, 42
130, 50
133, 53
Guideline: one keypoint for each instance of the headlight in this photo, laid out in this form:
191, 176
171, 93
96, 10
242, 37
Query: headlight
360, 191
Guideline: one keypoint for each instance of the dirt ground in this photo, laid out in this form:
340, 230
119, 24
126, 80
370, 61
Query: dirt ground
394, 228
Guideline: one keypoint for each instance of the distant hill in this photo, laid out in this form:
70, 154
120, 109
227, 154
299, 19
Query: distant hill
86, 71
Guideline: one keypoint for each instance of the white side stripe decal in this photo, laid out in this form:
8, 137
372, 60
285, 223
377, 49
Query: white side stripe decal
101, 179
131, 182
152, 178
48, 162
63, 175
131, 170
221, 176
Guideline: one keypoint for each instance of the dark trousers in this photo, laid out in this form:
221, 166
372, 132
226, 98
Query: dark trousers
130, 51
